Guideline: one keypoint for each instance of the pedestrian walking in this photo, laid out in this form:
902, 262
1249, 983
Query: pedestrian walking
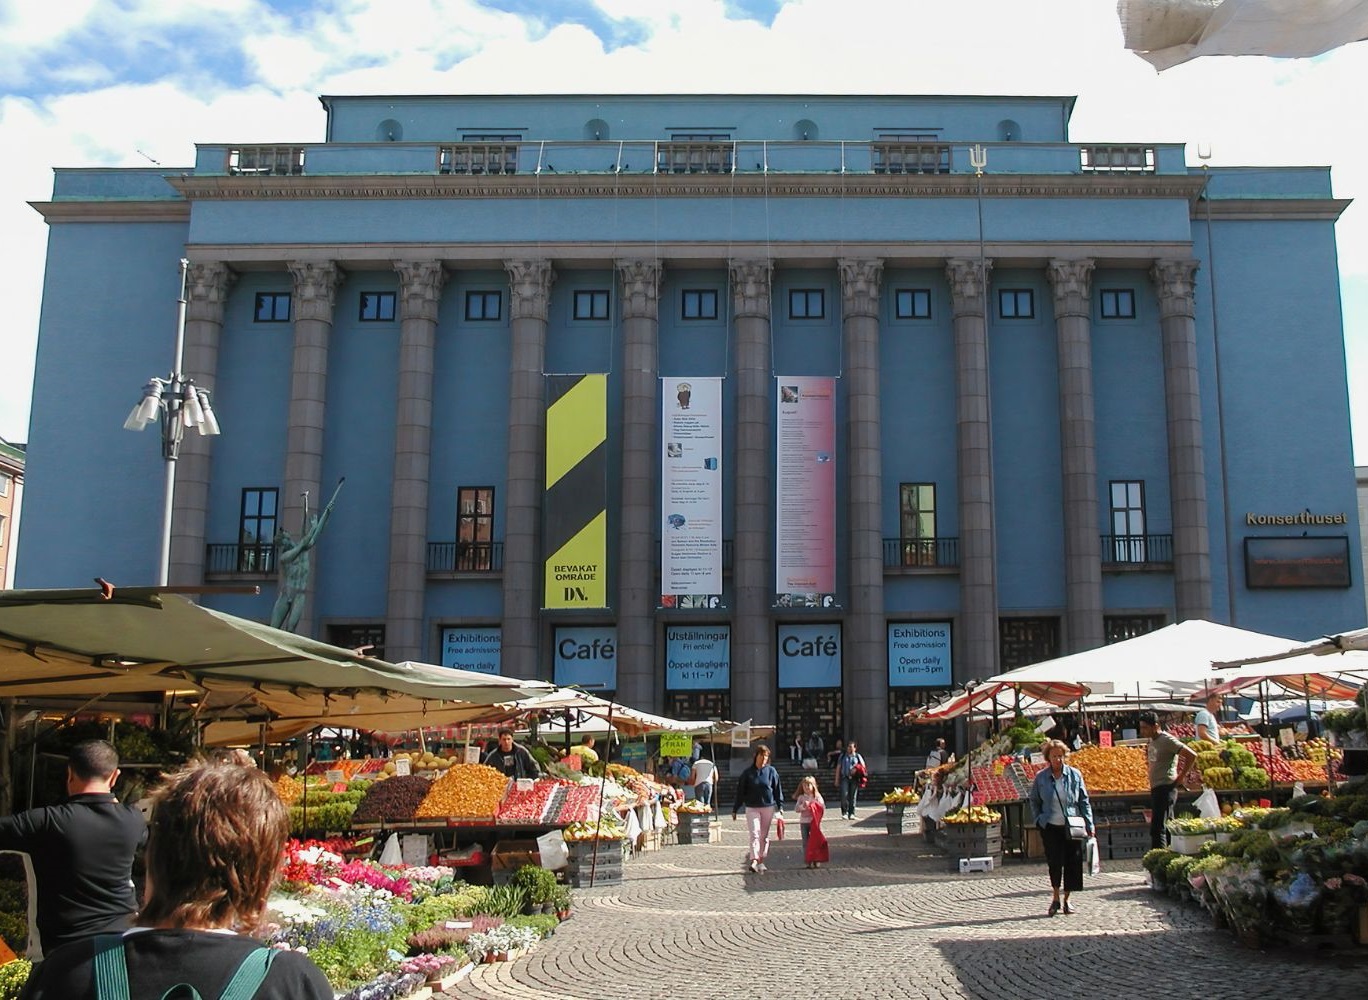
851, 776
1169, 761
1059, 803
759, 790
811, 808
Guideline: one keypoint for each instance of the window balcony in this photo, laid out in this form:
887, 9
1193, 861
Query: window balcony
902, 554
234, 560
447, 558
1117, 159
1137, 553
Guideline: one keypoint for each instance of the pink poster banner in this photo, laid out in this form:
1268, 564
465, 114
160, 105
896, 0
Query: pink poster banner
805, 488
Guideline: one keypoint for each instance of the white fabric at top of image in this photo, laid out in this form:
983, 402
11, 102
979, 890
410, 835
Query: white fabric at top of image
1167, 33
1171, 663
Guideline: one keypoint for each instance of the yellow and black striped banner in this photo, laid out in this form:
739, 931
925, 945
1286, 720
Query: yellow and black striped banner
575, 508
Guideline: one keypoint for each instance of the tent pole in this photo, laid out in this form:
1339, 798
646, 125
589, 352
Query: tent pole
593, 861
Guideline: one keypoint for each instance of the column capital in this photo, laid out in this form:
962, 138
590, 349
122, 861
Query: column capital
420, 288
640, 288
1176, 282
206, 285
315, 288
750, 287
968, 285
529, 284
860, 278
1072, 282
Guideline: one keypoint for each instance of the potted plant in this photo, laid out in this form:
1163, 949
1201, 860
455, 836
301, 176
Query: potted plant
537, 884
560, 899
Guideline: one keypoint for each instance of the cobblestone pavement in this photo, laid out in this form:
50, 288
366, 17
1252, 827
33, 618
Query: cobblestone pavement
887, 920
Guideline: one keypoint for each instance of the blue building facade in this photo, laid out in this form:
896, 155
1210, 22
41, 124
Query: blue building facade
1073, 392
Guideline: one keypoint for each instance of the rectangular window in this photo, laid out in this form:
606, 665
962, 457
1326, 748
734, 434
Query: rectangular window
1016, 303
272, 307
256, 530
4, 484
1128, 521
807, 303
475, 528
377, 307
917, 523
912, 303
698, 303
1118, 303
369, 640
484, 307
591, 305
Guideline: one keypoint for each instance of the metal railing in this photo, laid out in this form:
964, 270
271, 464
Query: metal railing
478, 158
920, 552
465, 557
910, 157
1117, 159
239, 560
264, 160
1120, 550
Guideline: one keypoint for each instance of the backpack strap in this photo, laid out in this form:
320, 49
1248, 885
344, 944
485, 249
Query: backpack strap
250, 975
111, 970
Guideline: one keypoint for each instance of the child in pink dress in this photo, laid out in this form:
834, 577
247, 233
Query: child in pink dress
811, 807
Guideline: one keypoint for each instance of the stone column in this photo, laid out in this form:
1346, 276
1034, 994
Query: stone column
978, 617
1078, 451
207, 285
637, 590
1187, 468
315, 293
866, 672
753, 670
420, 292
529, 302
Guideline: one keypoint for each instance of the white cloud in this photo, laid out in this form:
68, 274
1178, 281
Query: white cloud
1251, 111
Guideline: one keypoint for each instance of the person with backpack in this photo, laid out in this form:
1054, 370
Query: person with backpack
214, 843
851, 776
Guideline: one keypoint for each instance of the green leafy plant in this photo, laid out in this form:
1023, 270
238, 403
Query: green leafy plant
13, 976
1156, 860
505, 901
536, 882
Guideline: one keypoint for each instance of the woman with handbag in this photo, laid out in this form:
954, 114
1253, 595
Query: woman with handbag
1060, 805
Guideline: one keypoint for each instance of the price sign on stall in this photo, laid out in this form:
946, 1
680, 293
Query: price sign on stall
1104, 738
335, 777
676, 744
472, 755
1286, 737
402, 767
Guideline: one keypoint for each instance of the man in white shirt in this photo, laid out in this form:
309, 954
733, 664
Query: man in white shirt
703, 780
1207, 727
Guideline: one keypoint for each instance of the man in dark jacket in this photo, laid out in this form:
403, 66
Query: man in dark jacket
82, 851
513, 759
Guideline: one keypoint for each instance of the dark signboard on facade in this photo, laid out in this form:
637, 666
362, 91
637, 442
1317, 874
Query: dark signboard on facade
1301, 561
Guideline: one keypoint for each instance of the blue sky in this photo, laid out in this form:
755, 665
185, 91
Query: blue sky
87, 83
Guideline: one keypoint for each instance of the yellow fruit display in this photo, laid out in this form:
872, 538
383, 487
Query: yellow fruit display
464, 790
607, 828
901, 796
974, 814
1112, 769
289, 789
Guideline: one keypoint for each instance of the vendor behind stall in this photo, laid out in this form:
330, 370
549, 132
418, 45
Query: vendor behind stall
511, 758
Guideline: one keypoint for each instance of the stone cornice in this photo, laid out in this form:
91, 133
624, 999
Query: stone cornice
774, 185
1281, 209
112, 211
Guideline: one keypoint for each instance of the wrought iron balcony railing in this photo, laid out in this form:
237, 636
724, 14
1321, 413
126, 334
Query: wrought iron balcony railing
465, 557
920, 552
1137, 550
239, 560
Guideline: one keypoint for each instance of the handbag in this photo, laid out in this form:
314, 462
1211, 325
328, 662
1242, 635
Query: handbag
1078, 826
779, 827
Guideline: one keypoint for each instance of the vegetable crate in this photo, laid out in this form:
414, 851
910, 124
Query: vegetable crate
1189, 843
606, 871
899, 820
971, 840
694, 828
1128, 840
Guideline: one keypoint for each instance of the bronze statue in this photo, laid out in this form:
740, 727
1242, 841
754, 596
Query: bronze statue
293, 564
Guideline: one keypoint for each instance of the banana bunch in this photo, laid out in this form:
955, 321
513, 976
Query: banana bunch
693, 806
974, 814
608, 828
902, 796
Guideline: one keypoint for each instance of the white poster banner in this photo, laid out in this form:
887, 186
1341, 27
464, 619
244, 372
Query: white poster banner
691, 492
805, 493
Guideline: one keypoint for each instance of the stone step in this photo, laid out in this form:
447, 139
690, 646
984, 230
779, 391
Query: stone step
900, 771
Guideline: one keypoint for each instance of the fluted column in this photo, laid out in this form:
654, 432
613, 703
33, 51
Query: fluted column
637, 589
753, 668
978, 618
207, 285
529, 302
420, 292
1078, 453
315, 294
866, 658
1187, 468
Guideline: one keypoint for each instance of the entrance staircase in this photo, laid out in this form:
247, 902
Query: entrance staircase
899, 772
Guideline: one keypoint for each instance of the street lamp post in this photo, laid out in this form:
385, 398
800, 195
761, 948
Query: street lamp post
178, 404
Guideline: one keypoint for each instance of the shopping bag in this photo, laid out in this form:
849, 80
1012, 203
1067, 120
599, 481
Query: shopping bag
779, 827
1092, 857
1208, 806
393, 854
809, 763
